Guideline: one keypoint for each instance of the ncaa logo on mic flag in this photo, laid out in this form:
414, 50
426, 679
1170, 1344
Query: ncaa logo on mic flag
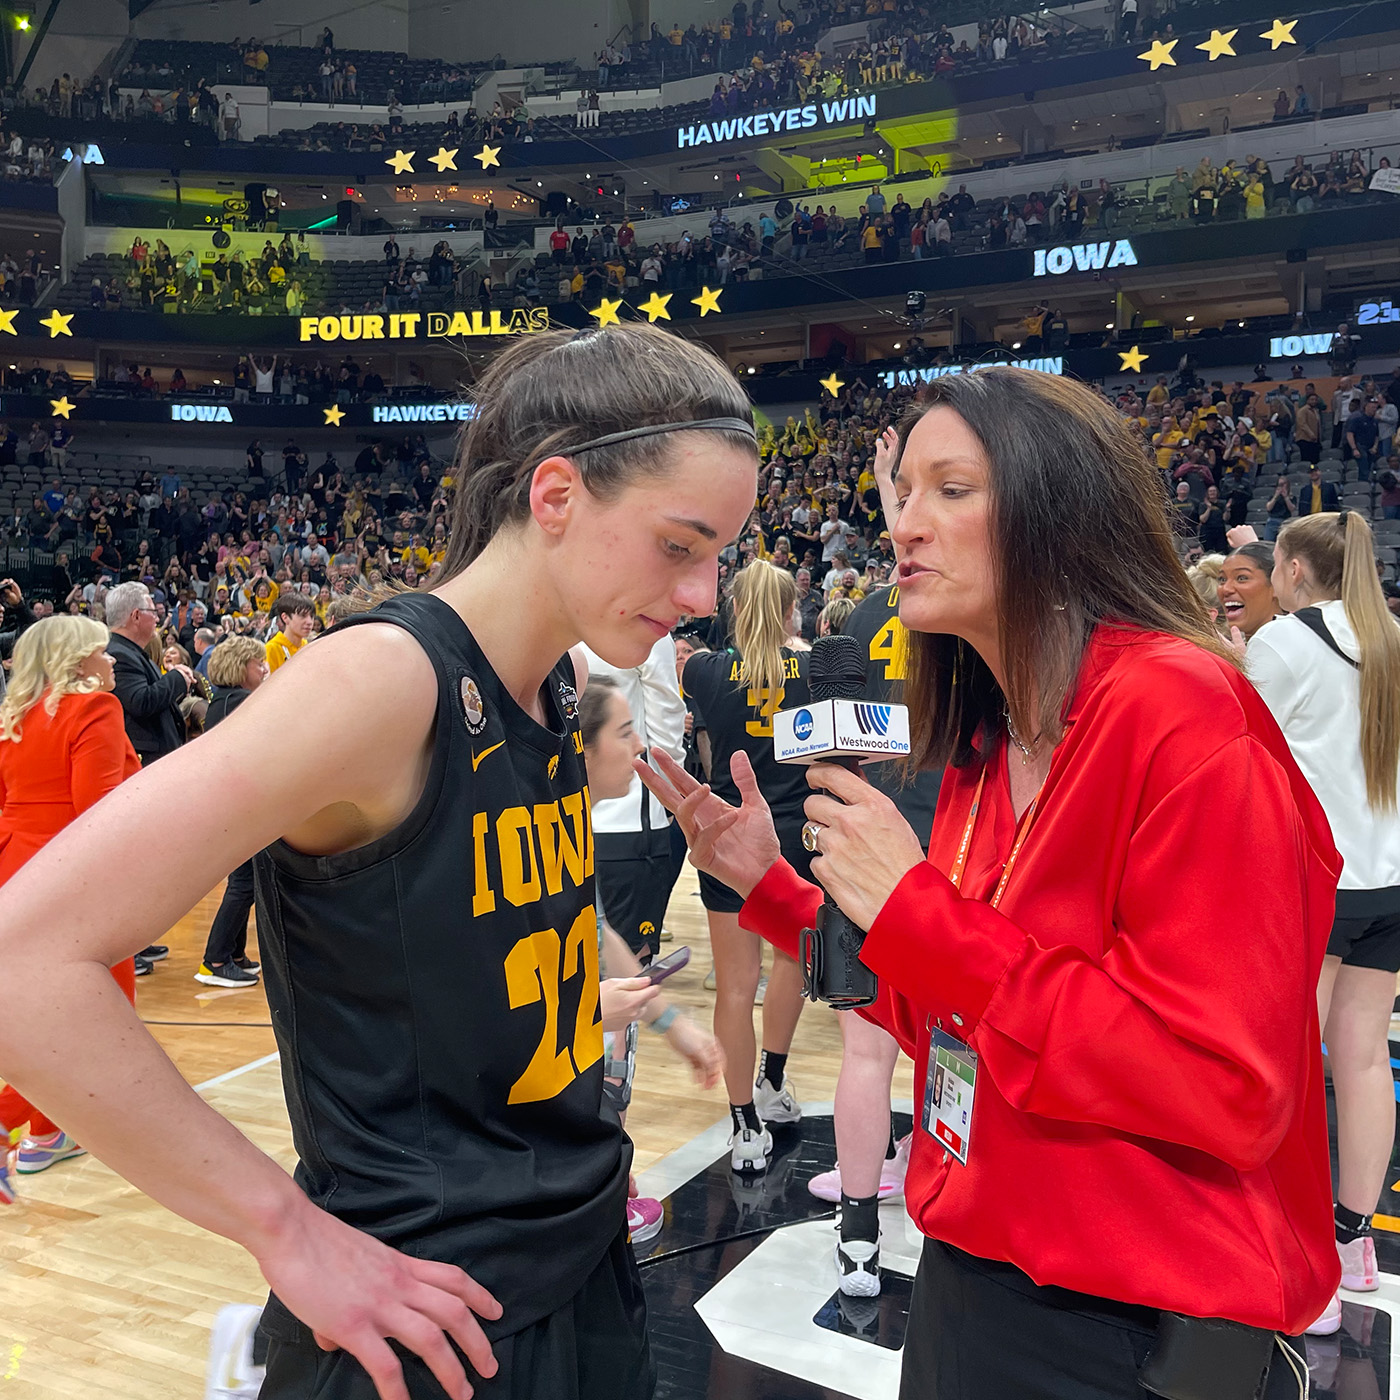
873, 719
802, 724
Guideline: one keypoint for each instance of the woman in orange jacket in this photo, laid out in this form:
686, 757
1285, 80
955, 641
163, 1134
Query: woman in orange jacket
63, 747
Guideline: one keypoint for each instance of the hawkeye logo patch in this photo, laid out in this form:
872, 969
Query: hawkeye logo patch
473, 708
553, 765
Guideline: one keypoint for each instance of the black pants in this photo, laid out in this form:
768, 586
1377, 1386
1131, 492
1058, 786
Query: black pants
593, 1348
980, 1330
228, 937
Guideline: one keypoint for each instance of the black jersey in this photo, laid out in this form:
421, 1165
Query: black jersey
884, 642
435, 999
737, 716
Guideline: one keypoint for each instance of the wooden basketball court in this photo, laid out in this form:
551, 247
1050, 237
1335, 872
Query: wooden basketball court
105, 1293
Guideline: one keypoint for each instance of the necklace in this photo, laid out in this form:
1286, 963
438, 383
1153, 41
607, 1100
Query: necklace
1026, 754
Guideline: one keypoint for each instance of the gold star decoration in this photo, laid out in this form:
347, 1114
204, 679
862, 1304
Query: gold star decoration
57, 323
707, 301
445, 159
61, 407
1279, 33
655, 307
1219, 43
488, 156
333, 417
7, 322
606, 312
402, 161
1132, 360
1160, 54
832, 384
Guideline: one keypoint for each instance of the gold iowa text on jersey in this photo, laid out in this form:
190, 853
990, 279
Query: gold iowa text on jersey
537, 849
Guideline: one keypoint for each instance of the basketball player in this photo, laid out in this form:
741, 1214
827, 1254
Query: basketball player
426, 912
736, 694
870, 1166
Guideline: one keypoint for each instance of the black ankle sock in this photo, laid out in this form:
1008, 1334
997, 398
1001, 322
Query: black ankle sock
771, 1066
892, 1151
745, 1115
860, 1217
1350, 1225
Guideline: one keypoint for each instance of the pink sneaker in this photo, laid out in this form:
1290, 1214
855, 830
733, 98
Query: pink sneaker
827, 1186
645, 1218
1359, 1271
1331, 1319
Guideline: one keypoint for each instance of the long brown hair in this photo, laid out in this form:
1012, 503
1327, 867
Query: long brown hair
1080, 537
1338, 551
549, 391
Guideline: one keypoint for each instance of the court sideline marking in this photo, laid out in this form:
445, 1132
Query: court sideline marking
234, 1073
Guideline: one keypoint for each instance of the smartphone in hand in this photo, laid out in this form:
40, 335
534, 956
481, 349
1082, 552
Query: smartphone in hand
662, 968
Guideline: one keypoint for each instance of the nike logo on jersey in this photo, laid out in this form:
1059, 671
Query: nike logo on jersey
477, 758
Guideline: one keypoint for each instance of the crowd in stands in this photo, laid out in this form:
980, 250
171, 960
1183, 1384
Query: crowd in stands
617, 259
22, 278
28, 159
222, 559
281, 279
318, 73
256, 378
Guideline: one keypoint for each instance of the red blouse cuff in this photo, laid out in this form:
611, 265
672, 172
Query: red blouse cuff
780, 906
946, 954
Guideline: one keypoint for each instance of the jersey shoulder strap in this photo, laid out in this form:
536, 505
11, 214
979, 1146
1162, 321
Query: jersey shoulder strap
1312, 619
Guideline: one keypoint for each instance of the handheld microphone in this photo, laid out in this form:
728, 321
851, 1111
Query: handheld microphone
838, 726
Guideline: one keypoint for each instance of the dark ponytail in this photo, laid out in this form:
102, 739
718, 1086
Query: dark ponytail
549, 392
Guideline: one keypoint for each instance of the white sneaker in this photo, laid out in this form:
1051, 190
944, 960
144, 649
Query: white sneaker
1359, 1272
749, 1151
231, 1374
858, 1267
776, 1105
1331, 1319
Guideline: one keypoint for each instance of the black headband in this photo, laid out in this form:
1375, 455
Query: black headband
719, 425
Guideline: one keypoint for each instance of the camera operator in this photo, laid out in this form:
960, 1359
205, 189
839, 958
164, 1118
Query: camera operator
1149, 1144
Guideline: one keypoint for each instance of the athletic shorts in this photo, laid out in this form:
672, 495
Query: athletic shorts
635, 887
593, 1348
1366, 929
718, 898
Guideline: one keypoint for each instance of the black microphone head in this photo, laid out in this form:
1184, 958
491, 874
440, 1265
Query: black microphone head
837, 669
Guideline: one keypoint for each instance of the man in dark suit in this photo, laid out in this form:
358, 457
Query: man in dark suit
150, 701
1318, 495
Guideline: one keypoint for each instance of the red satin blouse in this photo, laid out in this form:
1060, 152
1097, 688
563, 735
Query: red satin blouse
1149, 1123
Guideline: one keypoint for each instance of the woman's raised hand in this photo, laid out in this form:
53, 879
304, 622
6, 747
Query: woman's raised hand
734, 844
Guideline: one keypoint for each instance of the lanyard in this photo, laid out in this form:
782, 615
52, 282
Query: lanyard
1022, 831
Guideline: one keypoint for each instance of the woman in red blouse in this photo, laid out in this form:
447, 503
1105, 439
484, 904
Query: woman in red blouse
1148, 1133
63, 747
